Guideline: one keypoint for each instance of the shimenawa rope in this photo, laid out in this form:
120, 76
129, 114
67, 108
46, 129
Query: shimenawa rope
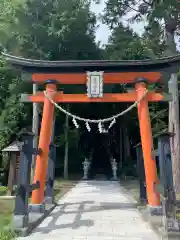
97, 121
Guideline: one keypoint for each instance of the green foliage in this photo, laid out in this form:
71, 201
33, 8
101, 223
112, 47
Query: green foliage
124, 45
11, 117
153, 43
53, 30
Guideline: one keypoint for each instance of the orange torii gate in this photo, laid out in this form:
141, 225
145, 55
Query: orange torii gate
139, 73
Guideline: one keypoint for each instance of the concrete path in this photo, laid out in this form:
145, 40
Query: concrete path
94, 210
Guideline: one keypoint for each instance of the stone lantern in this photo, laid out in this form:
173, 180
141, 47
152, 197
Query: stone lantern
86, 166
114, 169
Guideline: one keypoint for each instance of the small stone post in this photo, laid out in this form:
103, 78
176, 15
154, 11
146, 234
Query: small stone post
166, 179
20, 217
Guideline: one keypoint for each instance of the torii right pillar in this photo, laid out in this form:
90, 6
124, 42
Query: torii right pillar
147, 147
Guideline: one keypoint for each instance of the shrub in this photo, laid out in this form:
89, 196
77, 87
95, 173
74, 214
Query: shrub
3, 190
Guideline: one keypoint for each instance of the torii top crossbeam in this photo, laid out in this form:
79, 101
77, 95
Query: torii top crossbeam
166, 64
114, 71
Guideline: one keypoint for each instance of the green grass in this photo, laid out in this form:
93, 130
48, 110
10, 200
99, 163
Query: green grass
178, 207
5, 220
6, 210
7, 235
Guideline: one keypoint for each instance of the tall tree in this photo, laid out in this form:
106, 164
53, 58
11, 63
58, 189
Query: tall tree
163, 14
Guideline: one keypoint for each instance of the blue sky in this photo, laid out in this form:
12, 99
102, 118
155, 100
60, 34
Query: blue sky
103, 31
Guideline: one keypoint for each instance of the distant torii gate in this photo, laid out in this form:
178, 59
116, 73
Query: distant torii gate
139, 73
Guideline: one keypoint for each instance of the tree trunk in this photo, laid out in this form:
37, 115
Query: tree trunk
66, 145
170, 33
124, 145
174, 113
120, 151
127, 145
170, 43
174, 128
120, 148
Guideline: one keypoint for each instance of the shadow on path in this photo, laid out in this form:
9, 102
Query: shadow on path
83, 207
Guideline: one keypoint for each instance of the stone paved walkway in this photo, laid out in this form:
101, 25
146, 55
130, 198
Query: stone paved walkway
94, 210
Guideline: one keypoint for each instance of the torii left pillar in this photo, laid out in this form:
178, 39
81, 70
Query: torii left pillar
44, 144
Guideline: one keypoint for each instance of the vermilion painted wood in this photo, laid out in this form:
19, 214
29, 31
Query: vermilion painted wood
109, 78
83, 98
147, 146
44, 143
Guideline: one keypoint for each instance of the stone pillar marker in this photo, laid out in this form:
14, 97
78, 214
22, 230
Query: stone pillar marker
20, 217
166, 187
